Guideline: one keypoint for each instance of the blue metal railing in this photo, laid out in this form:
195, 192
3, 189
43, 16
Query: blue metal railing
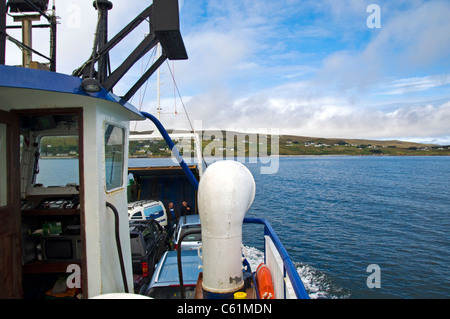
289, 267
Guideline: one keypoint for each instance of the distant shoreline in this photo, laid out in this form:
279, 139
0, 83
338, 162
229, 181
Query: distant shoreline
58, 157
314, 155
280, 155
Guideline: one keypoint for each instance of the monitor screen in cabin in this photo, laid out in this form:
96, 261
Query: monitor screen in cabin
59, 248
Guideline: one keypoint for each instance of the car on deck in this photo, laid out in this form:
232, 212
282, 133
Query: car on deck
185, 224
148, 241
165, 283
146, 210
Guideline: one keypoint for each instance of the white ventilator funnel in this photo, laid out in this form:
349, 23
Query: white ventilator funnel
226, 191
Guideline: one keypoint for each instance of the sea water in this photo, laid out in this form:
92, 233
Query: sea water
337, 216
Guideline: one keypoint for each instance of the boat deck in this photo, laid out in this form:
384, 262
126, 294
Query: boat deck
251, 292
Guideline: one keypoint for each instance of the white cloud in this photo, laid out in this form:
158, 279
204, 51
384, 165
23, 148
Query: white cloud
415, 38
254, 63
215, 57
295, 109
410, 41
416, 84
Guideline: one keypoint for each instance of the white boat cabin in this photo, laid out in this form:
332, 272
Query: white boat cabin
64, 157
46, 117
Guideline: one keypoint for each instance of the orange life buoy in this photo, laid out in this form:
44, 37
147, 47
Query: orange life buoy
264, 281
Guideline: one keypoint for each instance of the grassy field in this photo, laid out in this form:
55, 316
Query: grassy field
295, 145
242, 144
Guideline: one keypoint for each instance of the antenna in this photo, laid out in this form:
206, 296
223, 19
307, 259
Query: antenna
102, 6
2, 31
158, 86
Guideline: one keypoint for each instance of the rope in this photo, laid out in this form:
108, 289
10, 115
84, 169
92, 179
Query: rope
179, 95
142, 95
187, 115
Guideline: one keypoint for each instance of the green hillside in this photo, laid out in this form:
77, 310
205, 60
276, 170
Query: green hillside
243, 144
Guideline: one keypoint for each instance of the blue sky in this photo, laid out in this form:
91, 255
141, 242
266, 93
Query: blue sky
315, 68
304, 67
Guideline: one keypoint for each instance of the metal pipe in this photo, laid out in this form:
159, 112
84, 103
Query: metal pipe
180, 269
119, 246
103, 6
27, 41
175, 152
2, 31
53, 29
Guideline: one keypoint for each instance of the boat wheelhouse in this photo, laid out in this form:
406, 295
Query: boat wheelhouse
35, 104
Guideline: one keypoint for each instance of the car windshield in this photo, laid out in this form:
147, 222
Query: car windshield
154, 210
137, 215
136, 244
191, 237
171, 292
154, 228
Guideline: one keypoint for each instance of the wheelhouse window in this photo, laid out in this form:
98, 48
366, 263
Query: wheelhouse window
49, 152
114, 156
56, 163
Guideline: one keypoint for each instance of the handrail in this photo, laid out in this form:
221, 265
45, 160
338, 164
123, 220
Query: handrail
291, 271
175, 151
180, 268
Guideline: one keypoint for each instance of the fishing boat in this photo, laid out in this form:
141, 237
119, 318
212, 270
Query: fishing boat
71, 239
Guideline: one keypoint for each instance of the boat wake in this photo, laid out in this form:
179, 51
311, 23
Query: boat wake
318, 284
